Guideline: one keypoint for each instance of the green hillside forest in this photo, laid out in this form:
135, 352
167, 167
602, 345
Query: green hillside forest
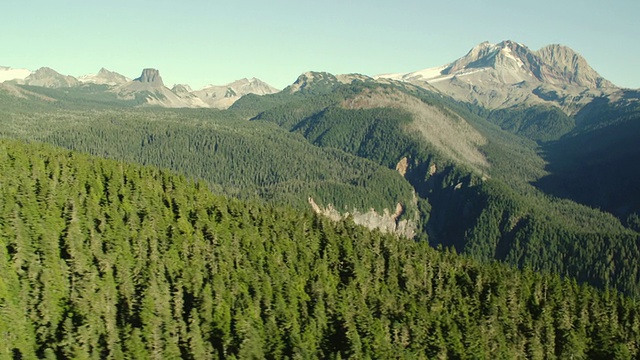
489, 213
105, 260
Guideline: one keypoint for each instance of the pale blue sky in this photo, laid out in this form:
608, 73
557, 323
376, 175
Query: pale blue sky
200, 42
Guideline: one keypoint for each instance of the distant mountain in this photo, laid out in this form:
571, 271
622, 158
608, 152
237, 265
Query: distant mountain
105, 77
507, 74
7, 73
223, 96
49, 78
587, 128
149, 89
184, 92
314, 82
464, 183
569, 67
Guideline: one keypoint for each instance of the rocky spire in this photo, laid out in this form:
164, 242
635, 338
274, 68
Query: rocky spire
150, 76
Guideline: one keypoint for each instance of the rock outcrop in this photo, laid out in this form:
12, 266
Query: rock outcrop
150, 76
385, 222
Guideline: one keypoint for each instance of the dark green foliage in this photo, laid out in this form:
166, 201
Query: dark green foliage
236, 157
373, 134
101, 259
503, 218
537, 123
596, 164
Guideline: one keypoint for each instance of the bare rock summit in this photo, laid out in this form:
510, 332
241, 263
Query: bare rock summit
47, 77
104, 77
151, 76
509, 74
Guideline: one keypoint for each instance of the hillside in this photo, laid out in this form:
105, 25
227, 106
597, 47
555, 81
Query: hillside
474, 193
235, 157
101, 259
594, 163
495, 184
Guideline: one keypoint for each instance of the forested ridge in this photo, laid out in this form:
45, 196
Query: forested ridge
501, 218
103, 259
308, 144
235, 157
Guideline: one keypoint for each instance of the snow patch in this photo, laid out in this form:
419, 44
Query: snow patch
506, 51
430, 73
425, 74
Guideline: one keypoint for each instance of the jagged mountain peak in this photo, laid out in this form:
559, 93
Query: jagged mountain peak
47, 77
251, 86
313, 76
316, 82
45, 71
553, 64
507, 53
223, 96
181, 89
509, 73
105, 77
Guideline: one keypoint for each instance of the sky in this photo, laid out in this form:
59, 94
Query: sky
199, 42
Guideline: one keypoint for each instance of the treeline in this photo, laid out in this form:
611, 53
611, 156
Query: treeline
101, 259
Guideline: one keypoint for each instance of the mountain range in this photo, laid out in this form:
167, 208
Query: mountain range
148, 89
494, 76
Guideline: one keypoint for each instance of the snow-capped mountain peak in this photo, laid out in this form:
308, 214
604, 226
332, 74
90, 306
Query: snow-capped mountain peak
508, 73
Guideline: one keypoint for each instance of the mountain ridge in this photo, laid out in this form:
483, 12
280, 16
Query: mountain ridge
104, 77
148, 88
508, 73
223, 96
47, 77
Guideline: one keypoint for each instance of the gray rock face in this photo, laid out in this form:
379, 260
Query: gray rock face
571, 67
150, 76
509, 74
